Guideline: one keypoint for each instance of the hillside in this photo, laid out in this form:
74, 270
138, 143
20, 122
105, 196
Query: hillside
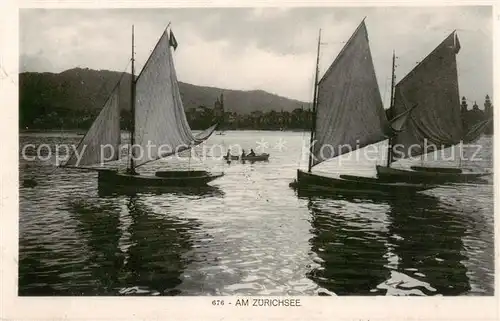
78, 91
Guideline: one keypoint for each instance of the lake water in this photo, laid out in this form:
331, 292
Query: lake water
250, 234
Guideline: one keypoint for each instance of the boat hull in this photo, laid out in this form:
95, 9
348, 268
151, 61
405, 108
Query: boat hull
232, 157
260, 157
355, 184
437, 169
428, 175
107, 190
162, 178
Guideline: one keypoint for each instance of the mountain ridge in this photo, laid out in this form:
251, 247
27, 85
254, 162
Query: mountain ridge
84, 88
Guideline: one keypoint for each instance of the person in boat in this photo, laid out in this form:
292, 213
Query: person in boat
228, 156
243, 153
252, 153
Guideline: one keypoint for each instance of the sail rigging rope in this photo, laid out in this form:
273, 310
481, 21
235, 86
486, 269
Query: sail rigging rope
301, 147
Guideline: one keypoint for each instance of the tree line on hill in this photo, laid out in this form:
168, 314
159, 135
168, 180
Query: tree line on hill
72, 100
203, 117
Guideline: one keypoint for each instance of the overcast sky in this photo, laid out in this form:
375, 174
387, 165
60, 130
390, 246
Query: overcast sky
272, 49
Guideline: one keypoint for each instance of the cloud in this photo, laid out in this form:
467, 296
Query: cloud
272, 49
36, 63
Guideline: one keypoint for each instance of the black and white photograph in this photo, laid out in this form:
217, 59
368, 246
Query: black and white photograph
255, 152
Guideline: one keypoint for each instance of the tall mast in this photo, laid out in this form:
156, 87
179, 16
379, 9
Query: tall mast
132, 109
313, 128
391, 105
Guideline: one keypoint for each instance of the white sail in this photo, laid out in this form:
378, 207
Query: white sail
349, 112
101, 143
161, 127
433, 85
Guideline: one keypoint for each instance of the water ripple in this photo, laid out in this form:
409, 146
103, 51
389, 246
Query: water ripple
249, 234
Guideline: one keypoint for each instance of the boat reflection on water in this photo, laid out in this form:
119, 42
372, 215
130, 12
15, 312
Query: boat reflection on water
158, 252
427, 237
201, 191
348, 246
387, 246
132, 249
100, 225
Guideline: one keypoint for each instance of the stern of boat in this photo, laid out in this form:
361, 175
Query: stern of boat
160, 178
107, 176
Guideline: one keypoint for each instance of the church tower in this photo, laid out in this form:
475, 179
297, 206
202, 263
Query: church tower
219, 108
488, 107
463, 106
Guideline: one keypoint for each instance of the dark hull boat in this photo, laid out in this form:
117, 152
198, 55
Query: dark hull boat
320, 193
256, 158
158, 121
436, 122
421, 174
349, 184
348, 111
161, 178
260, 157
112, 186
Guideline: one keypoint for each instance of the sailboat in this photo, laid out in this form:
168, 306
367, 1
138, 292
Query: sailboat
159, 127
433, 86
348, 111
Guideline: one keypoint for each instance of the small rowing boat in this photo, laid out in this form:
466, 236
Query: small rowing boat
254, 158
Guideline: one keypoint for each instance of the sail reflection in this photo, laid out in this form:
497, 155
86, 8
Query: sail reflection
427, 238
99, 225
159, 251
349, 239
131, 249
387, 246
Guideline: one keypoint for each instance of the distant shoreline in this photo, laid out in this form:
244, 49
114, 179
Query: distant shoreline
83, 131
31, 131
52, 130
